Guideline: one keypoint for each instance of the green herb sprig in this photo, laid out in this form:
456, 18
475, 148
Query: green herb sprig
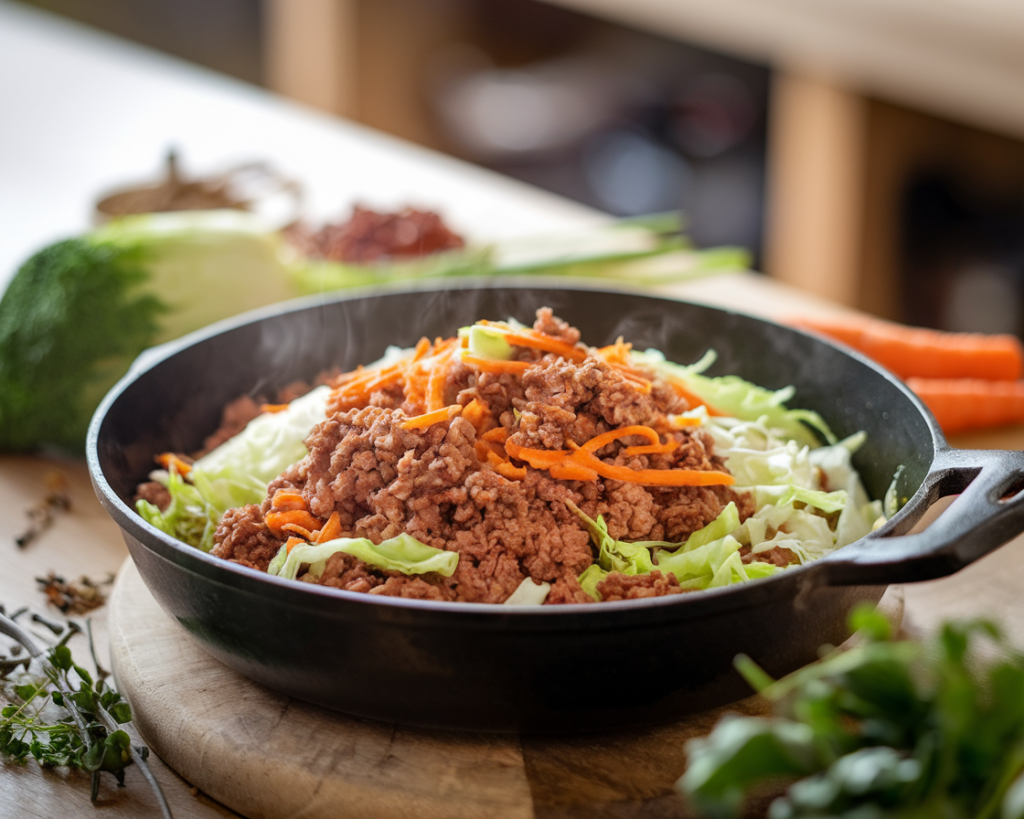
886, 729
62, 717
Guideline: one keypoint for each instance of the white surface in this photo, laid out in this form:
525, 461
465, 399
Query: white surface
962, 59
81, 112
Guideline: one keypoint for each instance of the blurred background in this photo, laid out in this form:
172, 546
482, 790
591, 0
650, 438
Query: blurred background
881, 170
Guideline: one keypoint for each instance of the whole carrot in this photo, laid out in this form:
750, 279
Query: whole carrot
960, 404
922, 352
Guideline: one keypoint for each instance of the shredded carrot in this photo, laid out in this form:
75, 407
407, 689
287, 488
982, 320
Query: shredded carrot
284, 501
172, 463
273, 407
617, 353
924, 353
547, 344
331, 530
654, 477
488, 365
292, 542
507, 470
653, 449
295, 529
537, 458
430, 418
478, 415
570, 470
422, 348
276, 521
438, 377
580, 463
961, 404
498, 434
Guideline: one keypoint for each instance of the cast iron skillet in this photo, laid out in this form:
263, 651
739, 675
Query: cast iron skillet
559, 668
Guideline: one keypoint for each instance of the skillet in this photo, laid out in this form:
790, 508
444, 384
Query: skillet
551, 668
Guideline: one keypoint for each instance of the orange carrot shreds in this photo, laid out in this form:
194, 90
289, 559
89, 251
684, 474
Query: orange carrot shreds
174, 463
292, 542
582, 464
498, 435
488, 365
537, 458
273, 407
428, 419
276, 521
653, 449
635, 430
356, 392
961, 404
653, 477
301, 531
527, 337
925, 353
438, 377
478, 415
683, 421
617, 353
570, 470
538, 341
285, 501
331, 530
422, 348
507, 470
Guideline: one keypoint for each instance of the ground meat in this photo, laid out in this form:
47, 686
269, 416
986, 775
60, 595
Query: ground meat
243, 537
777, 556
154, 493
619, 586
436, 484
546, 322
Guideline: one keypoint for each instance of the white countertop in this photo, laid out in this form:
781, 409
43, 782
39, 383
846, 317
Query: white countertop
83, 112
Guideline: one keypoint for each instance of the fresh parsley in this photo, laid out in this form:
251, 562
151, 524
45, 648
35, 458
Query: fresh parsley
889, 728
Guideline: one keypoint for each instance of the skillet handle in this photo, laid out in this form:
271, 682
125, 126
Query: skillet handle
988, 513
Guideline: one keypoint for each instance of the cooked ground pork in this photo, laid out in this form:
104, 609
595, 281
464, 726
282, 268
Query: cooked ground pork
439, 485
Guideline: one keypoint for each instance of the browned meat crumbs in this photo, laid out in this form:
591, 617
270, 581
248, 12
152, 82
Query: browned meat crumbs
432, 454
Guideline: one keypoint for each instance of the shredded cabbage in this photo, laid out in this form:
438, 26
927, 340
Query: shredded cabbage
238, 471
403, 553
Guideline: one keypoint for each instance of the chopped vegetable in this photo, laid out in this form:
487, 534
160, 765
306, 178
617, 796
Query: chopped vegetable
78, 312
402, 554
887, 729
961, 404
732, 395
922, 352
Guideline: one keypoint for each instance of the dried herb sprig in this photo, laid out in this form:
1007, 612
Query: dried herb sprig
60, 716
42, 515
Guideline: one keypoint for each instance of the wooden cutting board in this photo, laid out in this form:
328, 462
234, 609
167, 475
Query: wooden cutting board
264, 754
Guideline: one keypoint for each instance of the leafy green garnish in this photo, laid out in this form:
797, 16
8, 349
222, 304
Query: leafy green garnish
56, 713
883, 730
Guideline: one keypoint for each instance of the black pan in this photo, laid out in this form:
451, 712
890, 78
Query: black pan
552, 668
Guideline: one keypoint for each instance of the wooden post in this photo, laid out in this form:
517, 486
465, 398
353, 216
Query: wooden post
816, 165
311, 52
